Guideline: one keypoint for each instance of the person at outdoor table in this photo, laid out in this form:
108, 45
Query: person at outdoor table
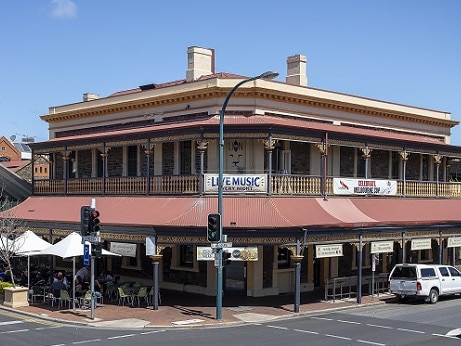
24, 279
84, 273
39, 280
81, 286
57, 286
64, 279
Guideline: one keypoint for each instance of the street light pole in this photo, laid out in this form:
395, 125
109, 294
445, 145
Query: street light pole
219, 276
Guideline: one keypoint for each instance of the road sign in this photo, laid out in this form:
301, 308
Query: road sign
91, 238
86, 254
220, 245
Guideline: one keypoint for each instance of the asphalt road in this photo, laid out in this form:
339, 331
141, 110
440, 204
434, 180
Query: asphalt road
386, 324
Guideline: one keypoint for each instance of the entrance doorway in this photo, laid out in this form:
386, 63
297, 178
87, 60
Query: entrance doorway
235, 282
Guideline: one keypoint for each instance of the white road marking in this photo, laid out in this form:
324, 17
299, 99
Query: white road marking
277, 327
14, 331
337, 337
322, 318
378, 326
121, 336
85, 341
370, 342
306, 331
447, 336
350, 322
411, 330
7, 323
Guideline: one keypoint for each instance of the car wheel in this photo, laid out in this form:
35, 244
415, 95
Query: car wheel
433, 296
403, 298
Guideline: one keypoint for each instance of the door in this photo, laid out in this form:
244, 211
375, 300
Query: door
235, 282
446, 285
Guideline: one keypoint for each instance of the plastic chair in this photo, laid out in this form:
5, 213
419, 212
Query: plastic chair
64, 298
111, 290
122, 296
38, 292
86, 300
142, 294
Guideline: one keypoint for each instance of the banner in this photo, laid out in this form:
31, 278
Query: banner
246, 183
350, 186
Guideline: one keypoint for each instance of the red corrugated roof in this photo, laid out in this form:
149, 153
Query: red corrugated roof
245, 212
238, 120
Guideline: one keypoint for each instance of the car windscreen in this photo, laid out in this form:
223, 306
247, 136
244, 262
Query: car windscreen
404, 273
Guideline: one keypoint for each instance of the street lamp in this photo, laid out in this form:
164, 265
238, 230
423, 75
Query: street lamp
265, 75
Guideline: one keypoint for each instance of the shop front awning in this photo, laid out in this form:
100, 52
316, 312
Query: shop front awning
241, 212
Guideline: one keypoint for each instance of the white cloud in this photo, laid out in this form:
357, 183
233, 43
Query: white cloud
63, 9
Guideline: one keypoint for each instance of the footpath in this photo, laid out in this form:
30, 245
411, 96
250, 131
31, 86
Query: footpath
186, 310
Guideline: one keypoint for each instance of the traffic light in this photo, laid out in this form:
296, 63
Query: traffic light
85, 220
226, 258
96, 250
94, 221
214, 228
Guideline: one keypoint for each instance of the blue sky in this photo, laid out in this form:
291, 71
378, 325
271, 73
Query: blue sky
53, 51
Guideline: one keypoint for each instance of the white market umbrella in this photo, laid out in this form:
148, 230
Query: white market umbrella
71, 246
29, 244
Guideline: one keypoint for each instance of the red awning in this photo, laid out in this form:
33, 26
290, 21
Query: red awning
243, 212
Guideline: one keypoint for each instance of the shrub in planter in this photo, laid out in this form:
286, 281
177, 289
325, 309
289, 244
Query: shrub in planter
3, 285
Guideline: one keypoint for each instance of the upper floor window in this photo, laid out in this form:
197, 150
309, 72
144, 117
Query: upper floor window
185, 157
132, 162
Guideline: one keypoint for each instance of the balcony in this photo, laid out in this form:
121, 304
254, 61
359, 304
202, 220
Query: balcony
282, 185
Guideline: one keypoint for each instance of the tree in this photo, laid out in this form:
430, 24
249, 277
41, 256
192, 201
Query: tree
8, 233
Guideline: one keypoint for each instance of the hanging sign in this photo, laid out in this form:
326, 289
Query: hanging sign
124, 249
382, 246
242, 183
421, 244
350, 186
454, 242
330, 250
237, 253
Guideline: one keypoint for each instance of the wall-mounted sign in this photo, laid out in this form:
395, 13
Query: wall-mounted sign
330, 250
350, 186
421, 244
237, 253
382, 246
244, 183
124, 249
454, 242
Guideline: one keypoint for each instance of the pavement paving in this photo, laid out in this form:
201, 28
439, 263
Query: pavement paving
186, 310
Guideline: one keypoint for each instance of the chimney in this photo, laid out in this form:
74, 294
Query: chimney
296, 70
90, 97
200, 62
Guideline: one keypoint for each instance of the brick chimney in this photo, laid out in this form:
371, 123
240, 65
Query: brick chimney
90, 97
296, 70
200, 62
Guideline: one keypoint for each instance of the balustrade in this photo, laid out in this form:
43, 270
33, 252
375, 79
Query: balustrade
283, 184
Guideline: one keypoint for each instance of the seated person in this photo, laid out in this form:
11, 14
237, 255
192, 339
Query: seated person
39, 280
81, 286
57, 286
